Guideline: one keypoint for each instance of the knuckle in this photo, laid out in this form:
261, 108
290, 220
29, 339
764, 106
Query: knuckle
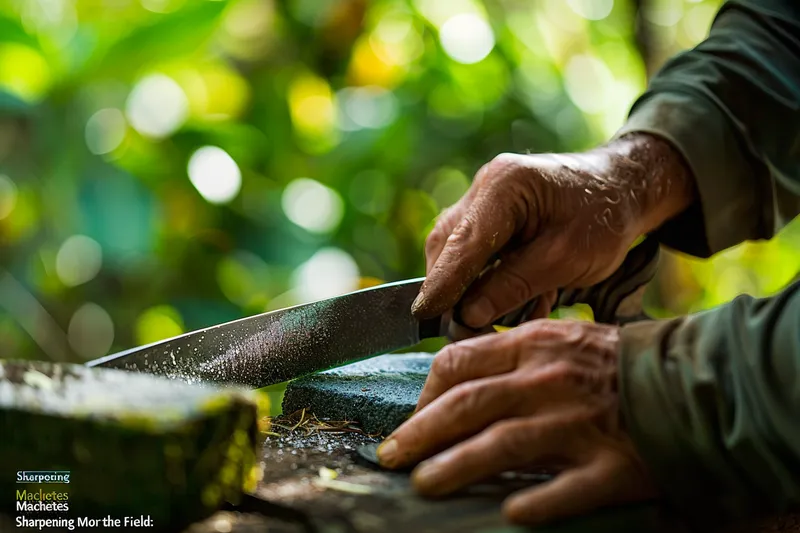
466, 399
462, 234
551, 375
511, 440
435, 239
542, 330
485, 397
501, 165
564, 370
480, 176
567, 334
505, 160
443, 365
522, 389
576, 333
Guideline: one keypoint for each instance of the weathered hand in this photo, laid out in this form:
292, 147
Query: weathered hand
555, 221
543, 394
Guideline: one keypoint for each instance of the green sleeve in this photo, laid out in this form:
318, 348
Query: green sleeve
712, 402
731, 106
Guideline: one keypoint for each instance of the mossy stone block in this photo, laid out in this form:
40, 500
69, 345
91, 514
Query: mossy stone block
133, 443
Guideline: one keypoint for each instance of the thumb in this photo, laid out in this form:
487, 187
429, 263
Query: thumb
518, 279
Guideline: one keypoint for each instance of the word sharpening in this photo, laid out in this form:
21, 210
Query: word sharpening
83, 521
43, 476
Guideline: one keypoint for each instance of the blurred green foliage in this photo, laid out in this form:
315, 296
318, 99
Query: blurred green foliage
170, 164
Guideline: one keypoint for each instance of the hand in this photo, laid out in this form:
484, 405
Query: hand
555, 221
540, 395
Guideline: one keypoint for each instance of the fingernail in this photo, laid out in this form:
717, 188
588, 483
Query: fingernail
478, 313
418, 302
387, 452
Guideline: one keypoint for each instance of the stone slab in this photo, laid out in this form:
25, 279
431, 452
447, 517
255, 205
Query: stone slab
378, 393
132, 443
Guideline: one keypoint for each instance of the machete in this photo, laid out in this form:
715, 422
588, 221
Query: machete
281, 345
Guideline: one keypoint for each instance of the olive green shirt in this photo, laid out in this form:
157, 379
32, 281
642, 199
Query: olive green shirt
713, 399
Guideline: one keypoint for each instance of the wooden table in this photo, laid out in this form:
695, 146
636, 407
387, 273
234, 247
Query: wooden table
365, 499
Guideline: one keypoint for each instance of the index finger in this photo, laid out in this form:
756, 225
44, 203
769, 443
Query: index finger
460, 413
485, 228
479, 357
445, 224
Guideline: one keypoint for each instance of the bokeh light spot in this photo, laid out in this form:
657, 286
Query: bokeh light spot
592, 9
57, 19
158, 323
8, 196
91, 331
78, 260
105, 131
376, 63
157, 106
312, 109
447, 186
396, 39
663, 12
439, 12
366, 107
248, 31
589, 83
312, 206
394, 28
467, 38
215, 174
329, 272
24, 71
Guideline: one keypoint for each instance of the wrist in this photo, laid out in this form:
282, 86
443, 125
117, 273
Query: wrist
663, 185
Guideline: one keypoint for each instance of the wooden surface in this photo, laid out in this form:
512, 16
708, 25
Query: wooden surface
292, 497
291, 480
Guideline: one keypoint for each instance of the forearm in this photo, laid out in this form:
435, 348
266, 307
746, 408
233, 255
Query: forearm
712, 402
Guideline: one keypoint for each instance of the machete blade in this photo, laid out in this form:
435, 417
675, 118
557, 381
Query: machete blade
273, 347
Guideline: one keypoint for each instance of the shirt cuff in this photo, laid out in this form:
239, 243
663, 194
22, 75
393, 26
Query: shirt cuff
730, 208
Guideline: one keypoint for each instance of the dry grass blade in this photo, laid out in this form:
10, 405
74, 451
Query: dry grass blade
307, 422
302, 419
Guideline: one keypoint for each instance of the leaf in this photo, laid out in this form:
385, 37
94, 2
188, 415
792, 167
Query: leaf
175, 35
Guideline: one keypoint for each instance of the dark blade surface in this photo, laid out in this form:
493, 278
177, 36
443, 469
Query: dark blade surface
273, 347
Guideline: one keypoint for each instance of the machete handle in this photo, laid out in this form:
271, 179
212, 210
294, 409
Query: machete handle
618, 298
615, 300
